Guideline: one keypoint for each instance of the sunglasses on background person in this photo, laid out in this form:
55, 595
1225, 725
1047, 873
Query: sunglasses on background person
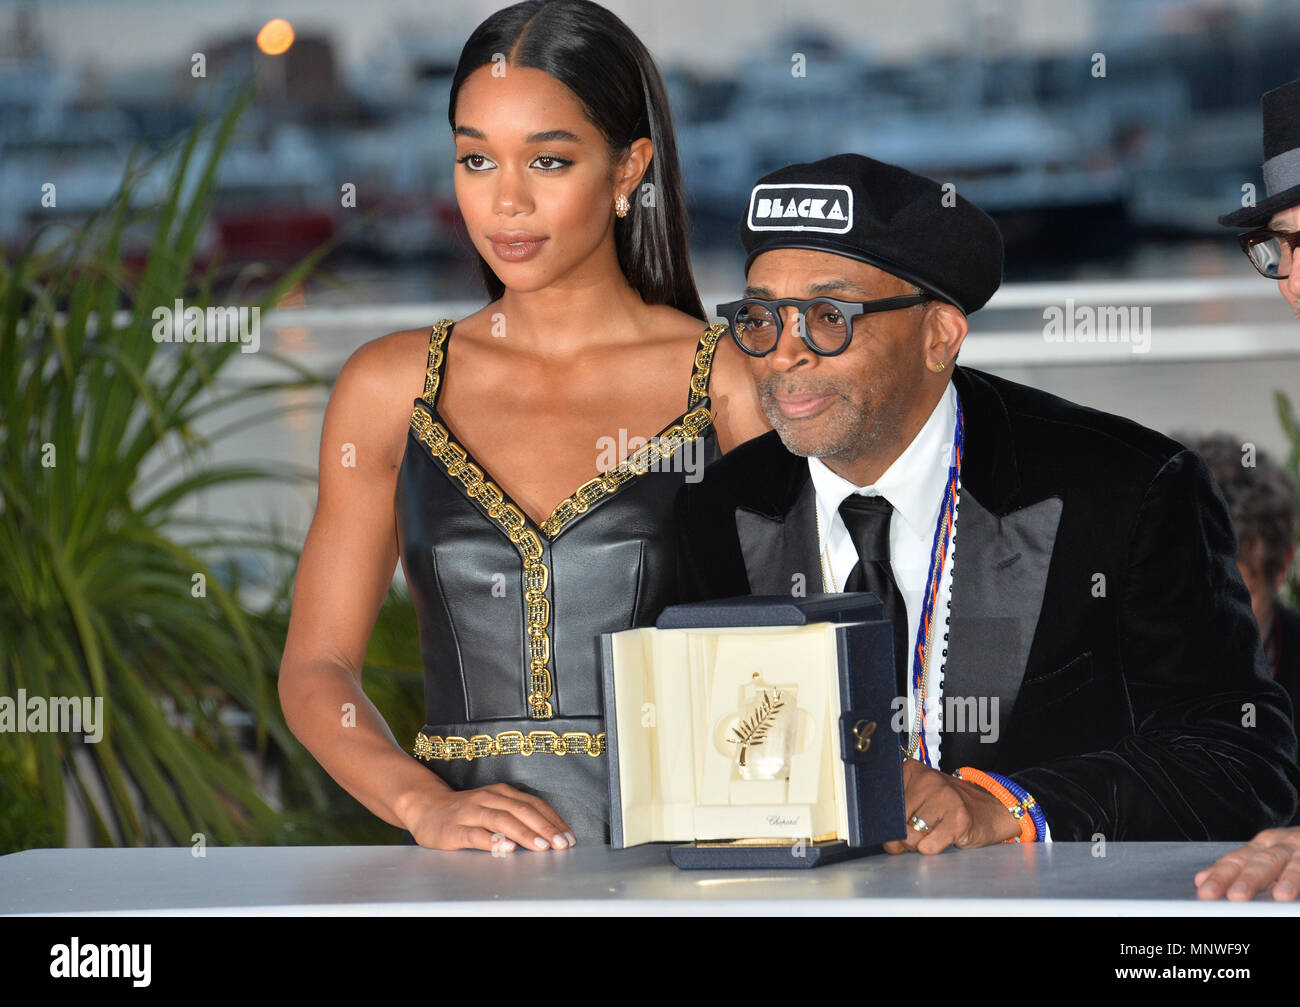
1270, 251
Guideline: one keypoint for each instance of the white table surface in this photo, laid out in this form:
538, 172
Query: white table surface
1132, 879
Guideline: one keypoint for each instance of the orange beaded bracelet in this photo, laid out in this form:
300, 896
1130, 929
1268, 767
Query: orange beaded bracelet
1028, 830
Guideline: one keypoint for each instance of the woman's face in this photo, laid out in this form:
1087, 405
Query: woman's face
533, 178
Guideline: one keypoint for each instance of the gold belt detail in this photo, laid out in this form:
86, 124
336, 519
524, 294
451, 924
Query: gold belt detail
430, 747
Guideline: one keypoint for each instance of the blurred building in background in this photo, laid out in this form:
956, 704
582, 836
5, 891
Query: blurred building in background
1105, 136
1139, 122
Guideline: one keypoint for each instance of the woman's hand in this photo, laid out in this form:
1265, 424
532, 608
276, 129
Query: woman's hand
1271, 858
497, 818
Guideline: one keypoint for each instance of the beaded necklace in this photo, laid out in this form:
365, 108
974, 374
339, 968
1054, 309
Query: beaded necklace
944, 535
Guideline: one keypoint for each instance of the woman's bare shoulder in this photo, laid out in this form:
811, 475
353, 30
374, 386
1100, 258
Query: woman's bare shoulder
376, 388
670, 324
739, 416
383, 365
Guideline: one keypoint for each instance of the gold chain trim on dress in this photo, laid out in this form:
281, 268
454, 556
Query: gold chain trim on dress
432, 372
429, 747
515, 523
537, 574
704, 361
636, 464
648, 455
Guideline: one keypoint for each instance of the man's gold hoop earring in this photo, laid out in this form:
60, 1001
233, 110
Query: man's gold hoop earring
620, 205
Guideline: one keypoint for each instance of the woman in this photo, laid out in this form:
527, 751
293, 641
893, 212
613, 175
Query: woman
517, 554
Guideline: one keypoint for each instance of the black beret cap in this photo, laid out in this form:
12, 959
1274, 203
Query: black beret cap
881, 214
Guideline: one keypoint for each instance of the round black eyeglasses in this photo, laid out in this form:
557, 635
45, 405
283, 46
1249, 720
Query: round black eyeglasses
823, 323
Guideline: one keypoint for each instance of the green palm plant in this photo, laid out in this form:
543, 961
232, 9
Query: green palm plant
100, 455
1291, 427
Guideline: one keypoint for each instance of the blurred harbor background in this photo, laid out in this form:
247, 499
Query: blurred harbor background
1104, 136
1090, 128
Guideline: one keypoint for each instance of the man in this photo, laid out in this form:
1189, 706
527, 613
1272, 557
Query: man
1272, 858
1100, 671
1262, 504
1274, 223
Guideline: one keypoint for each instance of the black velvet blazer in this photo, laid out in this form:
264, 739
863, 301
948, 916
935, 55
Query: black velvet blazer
1095, 596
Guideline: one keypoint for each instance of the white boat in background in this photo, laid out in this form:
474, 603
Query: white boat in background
1010, 157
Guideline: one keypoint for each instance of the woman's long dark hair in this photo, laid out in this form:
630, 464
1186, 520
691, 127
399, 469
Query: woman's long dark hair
597, 57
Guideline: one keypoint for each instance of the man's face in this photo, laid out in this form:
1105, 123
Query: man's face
844, 406
1289, 220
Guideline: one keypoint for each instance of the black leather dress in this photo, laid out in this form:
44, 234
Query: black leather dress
509, 611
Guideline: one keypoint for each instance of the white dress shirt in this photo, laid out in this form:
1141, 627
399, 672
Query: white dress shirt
914, 484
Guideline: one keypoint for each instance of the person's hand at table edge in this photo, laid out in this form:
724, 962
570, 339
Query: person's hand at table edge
955, 813
498, 818
1272, 858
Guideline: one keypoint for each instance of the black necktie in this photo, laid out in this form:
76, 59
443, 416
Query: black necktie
867, 519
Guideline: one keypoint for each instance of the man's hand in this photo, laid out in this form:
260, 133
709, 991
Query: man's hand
959, 813
1271, 858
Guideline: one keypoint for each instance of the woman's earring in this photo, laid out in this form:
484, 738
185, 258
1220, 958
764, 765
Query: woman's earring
621, 205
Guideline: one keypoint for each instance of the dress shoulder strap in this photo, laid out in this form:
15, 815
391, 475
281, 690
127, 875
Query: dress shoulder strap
704, 363
437, 355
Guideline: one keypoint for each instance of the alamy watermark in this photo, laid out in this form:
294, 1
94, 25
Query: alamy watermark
57, 714
179, 323
1103, 324
960, 715
653, 455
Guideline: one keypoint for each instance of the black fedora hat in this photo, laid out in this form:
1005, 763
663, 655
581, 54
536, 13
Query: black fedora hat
1281, 112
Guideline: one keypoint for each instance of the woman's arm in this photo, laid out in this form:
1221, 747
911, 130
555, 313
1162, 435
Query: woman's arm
343, 575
